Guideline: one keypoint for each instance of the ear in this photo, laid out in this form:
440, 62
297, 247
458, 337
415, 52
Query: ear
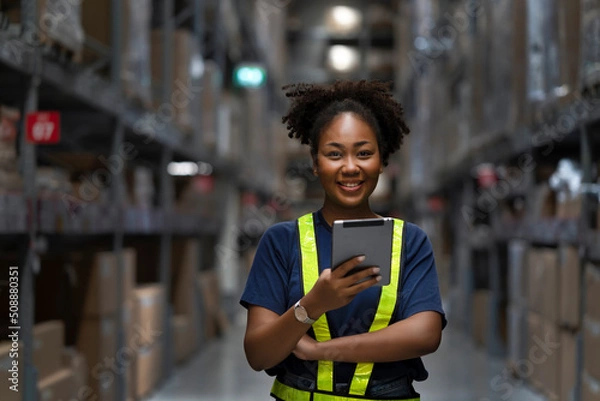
381, 170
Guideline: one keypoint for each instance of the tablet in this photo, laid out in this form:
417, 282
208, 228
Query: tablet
370, 237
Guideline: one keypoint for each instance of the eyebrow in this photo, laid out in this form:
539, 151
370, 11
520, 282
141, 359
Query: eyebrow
340, 146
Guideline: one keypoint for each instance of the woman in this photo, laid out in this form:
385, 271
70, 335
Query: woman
321, 334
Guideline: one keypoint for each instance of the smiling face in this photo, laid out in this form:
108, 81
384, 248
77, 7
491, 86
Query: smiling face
348, 164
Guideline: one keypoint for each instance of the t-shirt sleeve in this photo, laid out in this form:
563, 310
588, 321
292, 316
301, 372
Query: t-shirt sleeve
267, 283
420, 290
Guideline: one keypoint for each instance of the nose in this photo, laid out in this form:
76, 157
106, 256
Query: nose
350, 166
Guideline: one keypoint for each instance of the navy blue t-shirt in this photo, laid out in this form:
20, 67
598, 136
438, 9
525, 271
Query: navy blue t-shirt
274, 283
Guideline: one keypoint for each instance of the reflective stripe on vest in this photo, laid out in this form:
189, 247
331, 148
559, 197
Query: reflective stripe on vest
288, 393
385, 308
310, 274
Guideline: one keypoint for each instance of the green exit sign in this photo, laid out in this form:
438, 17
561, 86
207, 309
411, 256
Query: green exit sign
249, 76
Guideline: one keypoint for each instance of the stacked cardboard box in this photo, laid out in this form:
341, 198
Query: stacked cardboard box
591, 334
135, 42
542, 319
58, 378
177, 107
185, 322
97, 334
149, 312
553, 320
590, 55
10, 179
214, 319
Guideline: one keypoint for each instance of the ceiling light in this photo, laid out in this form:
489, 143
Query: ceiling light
343, 58
342, 19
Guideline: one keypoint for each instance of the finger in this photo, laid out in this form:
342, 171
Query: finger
363, 284
344, 268
365, 274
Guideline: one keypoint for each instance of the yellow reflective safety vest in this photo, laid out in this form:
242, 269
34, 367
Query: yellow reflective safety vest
385, 309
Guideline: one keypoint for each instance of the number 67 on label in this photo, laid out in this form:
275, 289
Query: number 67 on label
43, 127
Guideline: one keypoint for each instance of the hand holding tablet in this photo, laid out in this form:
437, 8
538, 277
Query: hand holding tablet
369, 237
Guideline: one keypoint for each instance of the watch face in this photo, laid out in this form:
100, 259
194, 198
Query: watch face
300, 313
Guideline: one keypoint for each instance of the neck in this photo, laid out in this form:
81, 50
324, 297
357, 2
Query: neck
334, 212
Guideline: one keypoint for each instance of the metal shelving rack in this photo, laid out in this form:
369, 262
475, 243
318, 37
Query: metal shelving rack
105, 96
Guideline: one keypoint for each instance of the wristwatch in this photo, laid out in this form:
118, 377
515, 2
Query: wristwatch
301, 314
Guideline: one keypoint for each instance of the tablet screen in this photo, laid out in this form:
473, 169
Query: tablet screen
370, 237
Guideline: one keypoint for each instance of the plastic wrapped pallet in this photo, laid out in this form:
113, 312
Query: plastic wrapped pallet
544, 75
590, 51
58, 22
135, 71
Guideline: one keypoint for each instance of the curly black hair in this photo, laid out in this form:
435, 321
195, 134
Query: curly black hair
314, 106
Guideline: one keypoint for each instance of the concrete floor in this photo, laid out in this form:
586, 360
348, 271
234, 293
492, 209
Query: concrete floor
458, 372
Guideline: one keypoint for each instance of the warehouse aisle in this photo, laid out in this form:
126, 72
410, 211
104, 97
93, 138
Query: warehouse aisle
459, 372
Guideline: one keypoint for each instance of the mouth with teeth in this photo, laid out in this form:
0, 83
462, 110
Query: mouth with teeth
350, 186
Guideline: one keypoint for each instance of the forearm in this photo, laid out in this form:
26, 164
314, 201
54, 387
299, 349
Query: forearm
271, 341
407, 339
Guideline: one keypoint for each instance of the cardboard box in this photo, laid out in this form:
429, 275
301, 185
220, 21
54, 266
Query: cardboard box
481, 310
544, 355
569, 286
517, 334
101, 388
568, 364
48, 344
184, 50
568, 206
94, 286
149, 313
186, 263
590, 57
591, 347
185, 338
6, 363
97, 341
592, 290
135, 41
534, 329
59, 386
543, 284
148, 371
590, 388
75, 360
129, 274
214, 319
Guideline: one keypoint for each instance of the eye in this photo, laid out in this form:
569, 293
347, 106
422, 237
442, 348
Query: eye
365, 153
334, 154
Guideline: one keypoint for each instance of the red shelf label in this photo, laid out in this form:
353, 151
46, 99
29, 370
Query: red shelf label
43, 127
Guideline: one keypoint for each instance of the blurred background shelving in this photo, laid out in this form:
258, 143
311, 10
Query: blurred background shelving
133, 234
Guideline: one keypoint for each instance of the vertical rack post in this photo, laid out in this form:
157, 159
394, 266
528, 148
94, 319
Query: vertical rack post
29, 257
166, 203
168, 23
586, 165
117, 192
198, 27
220, 59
